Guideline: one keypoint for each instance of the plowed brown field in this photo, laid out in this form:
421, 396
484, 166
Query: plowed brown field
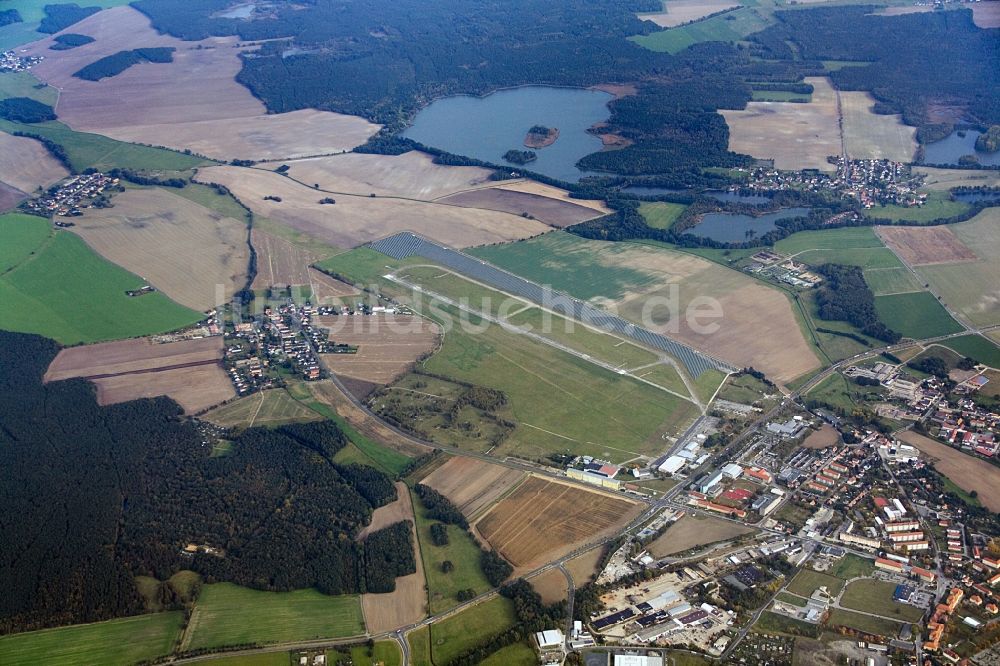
472, 485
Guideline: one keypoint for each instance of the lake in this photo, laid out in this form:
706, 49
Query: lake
953, 146
753, 199
644, 191
732, 228
487, 127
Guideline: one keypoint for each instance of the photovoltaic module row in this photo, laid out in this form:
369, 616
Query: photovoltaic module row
406, 244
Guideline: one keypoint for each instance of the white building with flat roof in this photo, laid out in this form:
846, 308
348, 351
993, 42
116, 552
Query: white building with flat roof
638, 660
550, 638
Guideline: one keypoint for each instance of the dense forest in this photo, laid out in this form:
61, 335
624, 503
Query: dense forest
25, 110
97, 495
60, 17
9, 16
845, 296
116, 63
69, 41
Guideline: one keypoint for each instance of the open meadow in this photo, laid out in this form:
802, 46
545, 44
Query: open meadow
227, 614
678, 12
183, 249
965, 471
67, 292
692, 531
945, 179
543, 519
114, 643
209, 114
188, 371
264, 408
412, 175
26, 165
23, 235
656, 286
451, 637
408, 602
915, 315
972, 288
473, 485
978, 348
729, 27
388, 345
795, 135
876, 596
354, 220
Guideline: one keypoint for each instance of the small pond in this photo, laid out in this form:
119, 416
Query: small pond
949, 149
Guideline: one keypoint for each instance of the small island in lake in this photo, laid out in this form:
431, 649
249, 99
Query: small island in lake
989, 142
520, 156
540, 136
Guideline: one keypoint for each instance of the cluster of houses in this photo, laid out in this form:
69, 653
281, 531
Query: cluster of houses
11, 62
878, 183
968, 426
71, 196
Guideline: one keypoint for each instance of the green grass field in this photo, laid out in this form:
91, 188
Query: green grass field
833, 239
227, 614
23, 84
876, 596
939, 204
266, 408
562, 403
729, 27
461, 551
808, 581
361, 266
853, 566
917, 315
31, 13
210, 198
125, 641
887, 281
518, 654
262, 659
773, 623
384, 652
460, 633
661, 215
420, 646
865, 623
22, 235
976, 347
67, 292
99, 152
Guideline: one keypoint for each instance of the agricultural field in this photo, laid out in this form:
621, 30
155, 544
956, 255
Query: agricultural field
795, 135
552, 192
970, 288
888, 281
23, 84
553, 212
583, 567
924, 246
976, 347
412, 175
407, 603
551, 585
67, 292
915, 315
188, 371
693, 531
543, 519
264, 408
354, 220
461, 550
388, 345
875, 596
986, 15
32, 11
729, 27
459, 633
226, 614
183, 249
945, 179
23, 235
869, 136
115, 642
661, 215
471, 484
10, 197
280, 262
679, 12
209, 114
966, 471
652, 286
26, 165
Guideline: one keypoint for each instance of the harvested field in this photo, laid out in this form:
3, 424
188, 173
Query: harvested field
355, 220
554, 212
10, 197
551, 585
825, 437
869, 136
406, 604
945, 179
412, 175
326, 288
388, 345
795, 135
972, 288
159, 104
26, 165
280, 262
541, 189
472, 485
187, 371
965, 471
693, 531
543, 520
678, 12
986, 14
583, 567
924, 246
757, 327
183, 249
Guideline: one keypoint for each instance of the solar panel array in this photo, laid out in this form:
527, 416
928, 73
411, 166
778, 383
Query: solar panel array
407, 244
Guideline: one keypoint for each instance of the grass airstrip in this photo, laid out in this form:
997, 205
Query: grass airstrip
61, 289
